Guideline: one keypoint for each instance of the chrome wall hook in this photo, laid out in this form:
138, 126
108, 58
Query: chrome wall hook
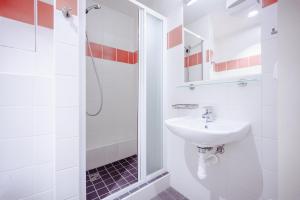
66, 11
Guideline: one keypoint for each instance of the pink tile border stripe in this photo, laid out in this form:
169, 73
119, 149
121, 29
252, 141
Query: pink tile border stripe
266, 3
113, 54
249, 61
175, 37
23, 11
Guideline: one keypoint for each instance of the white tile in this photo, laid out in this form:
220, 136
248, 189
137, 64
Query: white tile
43, 122
16, 184
269, 21
67, 120
269, 120
66, 59
269, 55
44, 149
65, 29
42, 88
16, 60
44, 55
67, 91
16, 122
16, 153
41, 196
43, 178
65, 153
67, 183
16, 90
270, 189
269, 90
17, 34
270, 154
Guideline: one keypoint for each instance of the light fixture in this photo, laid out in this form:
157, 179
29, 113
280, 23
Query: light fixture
190, 2
252, 13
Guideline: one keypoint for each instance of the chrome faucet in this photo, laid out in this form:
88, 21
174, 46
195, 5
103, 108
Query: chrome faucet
208, 114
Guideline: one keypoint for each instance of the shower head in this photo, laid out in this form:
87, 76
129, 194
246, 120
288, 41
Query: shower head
95, 6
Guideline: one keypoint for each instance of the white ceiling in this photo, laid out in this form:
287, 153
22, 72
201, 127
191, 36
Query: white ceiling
201, 8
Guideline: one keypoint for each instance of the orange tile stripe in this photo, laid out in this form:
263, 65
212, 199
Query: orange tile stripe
192, 60
249, 61
18, 10
266, 3
113, 54
23, 11
175, 37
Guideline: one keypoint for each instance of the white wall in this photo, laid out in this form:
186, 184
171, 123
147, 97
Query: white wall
248, 168
112, 135
26, 115
288, 99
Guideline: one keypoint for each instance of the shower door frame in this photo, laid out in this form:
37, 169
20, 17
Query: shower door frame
142, 134
142, 176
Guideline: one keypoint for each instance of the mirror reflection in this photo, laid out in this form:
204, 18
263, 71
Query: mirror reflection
222, 39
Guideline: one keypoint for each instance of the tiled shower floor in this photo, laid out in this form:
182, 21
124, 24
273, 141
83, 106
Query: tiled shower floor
105, 180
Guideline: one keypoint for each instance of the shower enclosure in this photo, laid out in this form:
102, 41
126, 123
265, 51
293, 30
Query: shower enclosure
125, 50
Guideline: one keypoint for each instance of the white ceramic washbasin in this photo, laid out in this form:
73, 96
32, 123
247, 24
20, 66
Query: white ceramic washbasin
211, 134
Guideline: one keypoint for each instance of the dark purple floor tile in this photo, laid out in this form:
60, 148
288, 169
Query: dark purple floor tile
88, 183
105, 176
117, 177
97, 181
114, 173
91, 196
102, 191
103, 196
119, 167
133, 171
103, 172
124, 186
126, 173
99, 185
109, 181
130, 178
90, 189
101, 168
92, 171
112, 186
121, 182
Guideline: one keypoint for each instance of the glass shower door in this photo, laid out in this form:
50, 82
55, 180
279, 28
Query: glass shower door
154, 87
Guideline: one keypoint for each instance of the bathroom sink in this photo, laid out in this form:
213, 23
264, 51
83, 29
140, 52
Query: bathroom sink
209, 134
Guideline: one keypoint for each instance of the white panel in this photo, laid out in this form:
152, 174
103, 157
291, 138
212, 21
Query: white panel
154, 66
11, 30
66, 59
65, 153
67, 120
16, 184
270, 154
42, 89
16, 122
67, 182
16, 153
43, 122
66, 29
43, 178
44, 149
67, 92
16, 90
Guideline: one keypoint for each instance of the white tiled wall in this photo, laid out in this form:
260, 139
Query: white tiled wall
26, 125
66, 50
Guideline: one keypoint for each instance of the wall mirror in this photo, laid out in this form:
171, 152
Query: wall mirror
222, 39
